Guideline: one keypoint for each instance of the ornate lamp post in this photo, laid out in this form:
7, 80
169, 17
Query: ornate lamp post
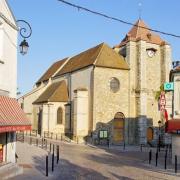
25, 34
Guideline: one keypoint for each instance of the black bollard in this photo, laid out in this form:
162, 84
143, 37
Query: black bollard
53, 148
50, 147
108, 143
165, 161
156, 158
141, 147
42, 142
46, 144
57, 152
124, 145
175, 163
150, 156
52, 162
36, 142
46, 165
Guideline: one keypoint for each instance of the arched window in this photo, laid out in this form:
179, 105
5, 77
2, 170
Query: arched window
59, 115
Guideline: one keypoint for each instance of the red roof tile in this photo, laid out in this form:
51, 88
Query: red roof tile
12, 117
140, 31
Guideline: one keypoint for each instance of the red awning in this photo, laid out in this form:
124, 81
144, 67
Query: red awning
12, 117
173, 125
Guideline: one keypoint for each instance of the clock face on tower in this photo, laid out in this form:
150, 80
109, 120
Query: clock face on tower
151, 52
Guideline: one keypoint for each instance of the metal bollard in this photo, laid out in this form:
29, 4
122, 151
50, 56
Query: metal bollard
46, 143
50, 147
141, 147
150, 156
124, 146
156, 158
56, 136
46, 165
175, 163
108, 143
57, 149
36, 142
42, 143
165, 161
52, 162
53, 148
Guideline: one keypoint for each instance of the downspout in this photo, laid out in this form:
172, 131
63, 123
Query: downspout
70, 102
129, 102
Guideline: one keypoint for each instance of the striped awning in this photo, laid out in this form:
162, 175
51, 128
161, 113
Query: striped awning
12, 117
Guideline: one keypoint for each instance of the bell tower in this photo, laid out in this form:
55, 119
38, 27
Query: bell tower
149, 58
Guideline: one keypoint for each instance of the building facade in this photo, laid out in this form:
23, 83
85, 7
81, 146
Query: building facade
105, 88
12, 117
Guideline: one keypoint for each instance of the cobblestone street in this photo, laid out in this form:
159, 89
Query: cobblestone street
89, 162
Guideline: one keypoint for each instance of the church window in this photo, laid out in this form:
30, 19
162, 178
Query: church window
114, 84
59, 115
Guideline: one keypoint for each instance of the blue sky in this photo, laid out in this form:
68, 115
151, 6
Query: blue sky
60, 31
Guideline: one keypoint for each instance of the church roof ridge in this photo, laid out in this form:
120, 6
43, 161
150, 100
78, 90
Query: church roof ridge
93, 56
51, 70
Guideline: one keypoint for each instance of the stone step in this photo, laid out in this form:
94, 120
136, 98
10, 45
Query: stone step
10, 170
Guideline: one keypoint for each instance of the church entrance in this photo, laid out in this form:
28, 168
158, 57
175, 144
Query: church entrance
118, 128
149, 134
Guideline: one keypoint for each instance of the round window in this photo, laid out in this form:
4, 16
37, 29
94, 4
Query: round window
114, 84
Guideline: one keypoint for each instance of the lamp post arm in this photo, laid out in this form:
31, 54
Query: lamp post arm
23, 30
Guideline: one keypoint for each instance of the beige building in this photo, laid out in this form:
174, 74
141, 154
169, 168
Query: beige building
104, 88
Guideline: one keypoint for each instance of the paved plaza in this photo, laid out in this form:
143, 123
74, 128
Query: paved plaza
81, 162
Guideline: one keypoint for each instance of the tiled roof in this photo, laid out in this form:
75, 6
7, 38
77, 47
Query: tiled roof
140, 31
50, 72
101, 55
56, 92
11, 114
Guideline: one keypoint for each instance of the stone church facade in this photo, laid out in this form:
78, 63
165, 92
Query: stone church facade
104, 88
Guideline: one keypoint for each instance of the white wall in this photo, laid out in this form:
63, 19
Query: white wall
8, 68
49, 117
8, 52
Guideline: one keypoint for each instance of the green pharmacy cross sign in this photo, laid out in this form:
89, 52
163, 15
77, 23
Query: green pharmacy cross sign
169, 86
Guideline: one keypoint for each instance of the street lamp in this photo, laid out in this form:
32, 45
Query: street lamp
23, 32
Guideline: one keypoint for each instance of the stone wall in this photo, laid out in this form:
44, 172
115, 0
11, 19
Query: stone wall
107, 103
146, 76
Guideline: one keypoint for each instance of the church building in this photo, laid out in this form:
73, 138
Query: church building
104, 88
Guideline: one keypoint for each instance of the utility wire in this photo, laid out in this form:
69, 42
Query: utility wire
116, 19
